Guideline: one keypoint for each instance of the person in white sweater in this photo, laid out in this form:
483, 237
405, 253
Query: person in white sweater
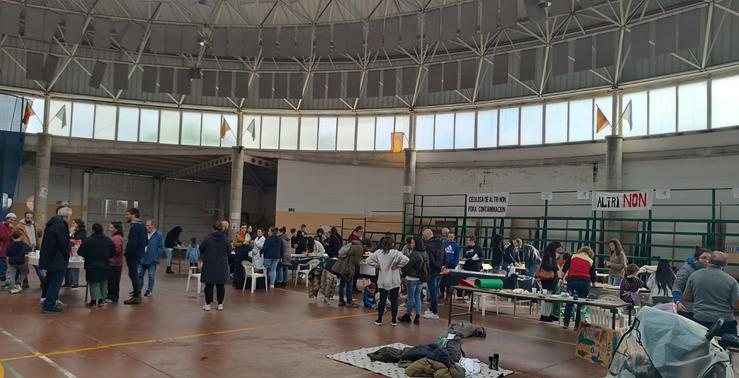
388, 262
256, 252
660, 282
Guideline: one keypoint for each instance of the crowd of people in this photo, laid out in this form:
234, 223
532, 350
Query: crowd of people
700, 289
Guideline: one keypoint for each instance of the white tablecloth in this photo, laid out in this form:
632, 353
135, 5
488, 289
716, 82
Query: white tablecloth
74, 262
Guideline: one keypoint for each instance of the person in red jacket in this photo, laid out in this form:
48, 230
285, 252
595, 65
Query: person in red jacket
580, 272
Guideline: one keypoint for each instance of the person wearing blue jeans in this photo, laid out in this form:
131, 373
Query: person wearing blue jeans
152, 269
272, 252
433, 284
345, 291
580, 272
54, 257
270, 265
53, 283
149, 262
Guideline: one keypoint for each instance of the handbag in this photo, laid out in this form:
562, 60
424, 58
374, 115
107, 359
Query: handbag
543, 275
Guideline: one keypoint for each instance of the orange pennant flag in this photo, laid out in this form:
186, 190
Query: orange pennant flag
601, 122
225, 128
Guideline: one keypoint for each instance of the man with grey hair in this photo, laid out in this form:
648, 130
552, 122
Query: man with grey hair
54, 257
714, 294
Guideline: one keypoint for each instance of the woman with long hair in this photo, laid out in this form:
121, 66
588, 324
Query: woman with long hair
497, 247
334, 243
660, 282
547, 275
616, 263
388, 262
115, 229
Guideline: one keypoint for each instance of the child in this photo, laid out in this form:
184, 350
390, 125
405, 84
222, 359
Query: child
193, 254
17, 251
631, 284
369, 296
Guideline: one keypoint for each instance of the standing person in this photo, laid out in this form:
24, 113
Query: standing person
115, 263
285, 259
54, 257
356, 234
32, 237
497, 250
510, 254
78, 236
437, 264
272, 251
320, 237
171, 241
701, 258
529, 256
152, 255
214, 250
660, 282
714, 294
193, 253
410, 245
616, 263
240, 244
301, 237
256, 252
334, 243
135, 249
547, 275
346, 267
416, 273
97, 251
17, 251
388, 262
472, 255
6, 230
452, 251
580, 277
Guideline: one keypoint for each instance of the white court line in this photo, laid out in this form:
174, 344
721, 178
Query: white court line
48, 360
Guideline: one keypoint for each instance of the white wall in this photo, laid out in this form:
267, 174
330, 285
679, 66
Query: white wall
330, 188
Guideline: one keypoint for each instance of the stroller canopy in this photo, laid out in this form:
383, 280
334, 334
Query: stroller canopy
676, 346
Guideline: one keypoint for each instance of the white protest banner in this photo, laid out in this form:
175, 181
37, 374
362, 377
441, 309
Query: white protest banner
487, 204
622, 201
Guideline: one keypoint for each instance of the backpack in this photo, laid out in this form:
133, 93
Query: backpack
344, 251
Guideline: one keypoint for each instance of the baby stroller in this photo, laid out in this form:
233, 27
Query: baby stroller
662, 344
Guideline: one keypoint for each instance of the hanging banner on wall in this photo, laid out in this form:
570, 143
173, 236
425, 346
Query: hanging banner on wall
487, 204
622, 201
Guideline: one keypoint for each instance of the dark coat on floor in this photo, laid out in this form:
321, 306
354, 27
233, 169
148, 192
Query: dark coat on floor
55, 245
214, 252
97, 251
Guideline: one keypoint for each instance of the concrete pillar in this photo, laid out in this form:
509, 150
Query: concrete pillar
43, 164
162, 199
237, 189
85, 195
409, 187
614, 162
218, 213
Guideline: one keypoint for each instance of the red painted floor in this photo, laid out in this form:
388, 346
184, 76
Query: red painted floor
279, 334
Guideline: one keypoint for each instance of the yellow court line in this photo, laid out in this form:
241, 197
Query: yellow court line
183, 337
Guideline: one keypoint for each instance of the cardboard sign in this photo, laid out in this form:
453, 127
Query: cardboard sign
487, 204
622, 201
597, 344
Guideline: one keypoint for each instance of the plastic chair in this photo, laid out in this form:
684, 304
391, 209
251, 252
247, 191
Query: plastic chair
306, 268
250, 272
191, 273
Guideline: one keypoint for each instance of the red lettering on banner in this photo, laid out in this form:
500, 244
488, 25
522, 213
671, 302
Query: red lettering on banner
635, 200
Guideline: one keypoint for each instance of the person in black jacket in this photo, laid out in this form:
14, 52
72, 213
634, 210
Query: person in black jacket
97, 250
170, 241
510, 256
137, 241
550, 269
416, 272
215, 249
272, 251
472, 255
497, 247
334, 243
437, 264
54, 258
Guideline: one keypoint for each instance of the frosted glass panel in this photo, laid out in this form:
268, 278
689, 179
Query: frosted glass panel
384, 129
724, 102
487, 128
252, 131
464, 130
508, 127
345, 134
270, 132
556, 123
402, 124
128, 124
35, 122
308, 133
191, 128
531, 118
211, 134
581, 120
638, 126
149, 125
327, 133
230, 139
662, 111
105, 117
692, 106
365, 133
83, 120
444, 134
289, 133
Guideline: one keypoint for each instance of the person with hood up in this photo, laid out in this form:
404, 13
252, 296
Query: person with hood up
214, 251
54, 257
154, 248
388, 262
437, 264
171, 241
